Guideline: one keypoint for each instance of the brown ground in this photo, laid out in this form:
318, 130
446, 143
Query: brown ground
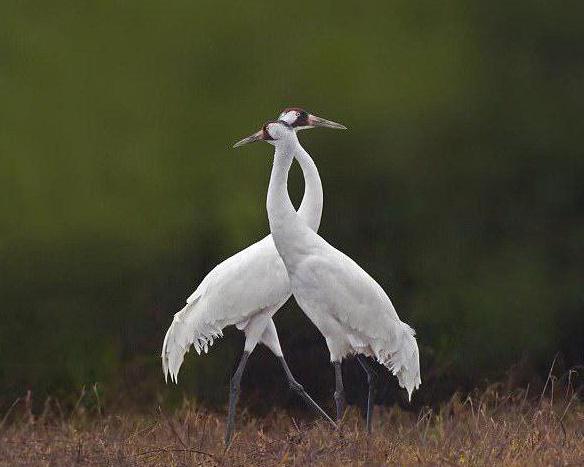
489, 429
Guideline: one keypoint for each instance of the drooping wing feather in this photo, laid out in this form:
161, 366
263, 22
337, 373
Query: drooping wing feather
232, 293
360, 304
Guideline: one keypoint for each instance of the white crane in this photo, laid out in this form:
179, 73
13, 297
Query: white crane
350, 309
246, 290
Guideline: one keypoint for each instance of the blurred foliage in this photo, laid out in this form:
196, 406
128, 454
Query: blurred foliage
459, 186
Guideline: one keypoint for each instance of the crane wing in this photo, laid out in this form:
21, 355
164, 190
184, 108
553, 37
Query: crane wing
231, 294
363, 308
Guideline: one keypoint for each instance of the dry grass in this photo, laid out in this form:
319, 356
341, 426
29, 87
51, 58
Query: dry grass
483, 430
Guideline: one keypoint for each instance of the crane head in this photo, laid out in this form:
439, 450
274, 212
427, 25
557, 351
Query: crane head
300, 119
269, 133
294, 119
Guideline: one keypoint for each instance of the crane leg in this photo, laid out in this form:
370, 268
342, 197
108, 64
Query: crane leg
233, 396
299, 389
371, 380
339, 391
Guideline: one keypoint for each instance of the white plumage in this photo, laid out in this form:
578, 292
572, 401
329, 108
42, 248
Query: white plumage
351, 310
245, 290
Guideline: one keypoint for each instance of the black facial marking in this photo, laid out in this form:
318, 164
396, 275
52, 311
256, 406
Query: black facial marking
266, 133
301, 120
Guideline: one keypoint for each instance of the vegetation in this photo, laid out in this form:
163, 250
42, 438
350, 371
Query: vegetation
492, 428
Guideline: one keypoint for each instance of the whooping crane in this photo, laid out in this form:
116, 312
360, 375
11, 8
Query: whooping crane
350, 309
246, 290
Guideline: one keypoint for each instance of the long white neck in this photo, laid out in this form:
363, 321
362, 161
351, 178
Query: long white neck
280, 209
310, 210
290, 233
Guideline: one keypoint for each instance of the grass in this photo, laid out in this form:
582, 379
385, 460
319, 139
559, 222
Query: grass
490, 428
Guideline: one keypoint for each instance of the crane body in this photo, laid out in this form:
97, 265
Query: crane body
245, 291
350, 309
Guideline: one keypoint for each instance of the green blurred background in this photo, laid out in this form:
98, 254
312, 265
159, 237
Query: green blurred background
459, 186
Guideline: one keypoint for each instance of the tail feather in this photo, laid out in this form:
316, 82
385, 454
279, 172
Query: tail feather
187, 328
403, 359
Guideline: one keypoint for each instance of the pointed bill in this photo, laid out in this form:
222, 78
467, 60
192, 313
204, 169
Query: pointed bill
258, 136
315, 121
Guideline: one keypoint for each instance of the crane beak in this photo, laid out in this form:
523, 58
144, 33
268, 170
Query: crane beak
258, 136
314, 121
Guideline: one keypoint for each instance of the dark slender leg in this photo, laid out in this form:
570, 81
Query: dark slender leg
299, 389
339, 391
233, 396
371, 380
